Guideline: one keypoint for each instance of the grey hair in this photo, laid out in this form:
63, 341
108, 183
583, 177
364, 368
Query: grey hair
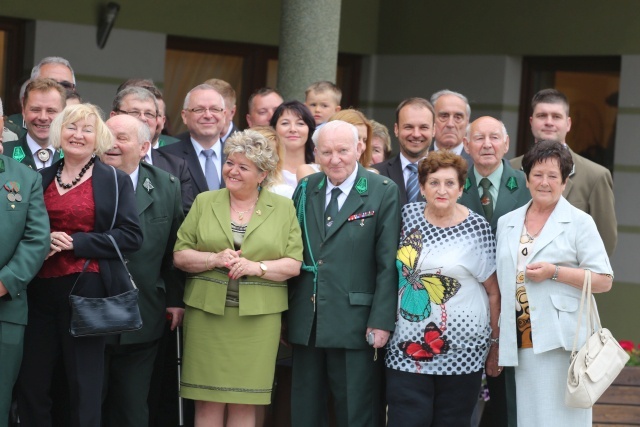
203, 86
144, 133
443, 92
35, 71
138, 93
332, 125
256, 149
505, 134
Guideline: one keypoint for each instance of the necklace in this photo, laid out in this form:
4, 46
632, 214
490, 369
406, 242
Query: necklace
77, 179
526, 237
426, 214
241, 213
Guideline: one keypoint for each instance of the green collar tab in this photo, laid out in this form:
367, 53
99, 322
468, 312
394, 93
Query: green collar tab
18, 154
467, 185
61, 153
512, 184
321, 184
362, 185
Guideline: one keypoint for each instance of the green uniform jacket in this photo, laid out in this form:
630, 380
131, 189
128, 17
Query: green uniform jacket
357, 280
20, 152
590, 189
272, 233
159, 204
512, 194
166, 140
25, 237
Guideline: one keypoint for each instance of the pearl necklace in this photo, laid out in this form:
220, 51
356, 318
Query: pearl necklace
77, 179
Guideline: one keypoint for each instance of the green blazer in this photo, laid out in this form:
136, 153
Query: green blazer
166, 140
20, 152
512, 194
357, 279
159, 204
272, 233
24, 227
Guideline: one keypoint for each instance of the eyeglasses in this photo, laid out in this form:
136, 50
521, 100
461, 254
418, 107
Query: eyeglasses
135, 113
200, 110
67, 85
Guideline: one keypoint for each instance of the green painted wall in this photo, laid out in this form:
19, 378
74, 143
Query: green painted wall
619, 311
249, 21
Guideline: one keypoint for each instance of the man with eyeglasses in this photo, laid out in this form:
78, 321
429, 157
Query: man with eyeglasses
203, 114
143, 105
43, 100
452, 118
51, 67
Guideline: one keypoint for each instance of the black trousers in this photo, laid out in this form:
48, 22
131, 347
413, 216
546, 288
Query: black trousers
421, 400
47, 340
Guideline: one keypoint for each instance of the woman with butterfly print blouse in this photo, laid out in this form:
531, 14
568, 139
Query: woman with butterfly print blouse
545, 246
448, 304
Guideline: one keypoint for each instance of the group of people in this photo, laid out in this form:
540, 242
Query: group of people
396, 281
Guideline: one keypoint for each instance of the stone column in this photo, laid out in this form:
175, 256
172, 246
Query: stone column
309, 34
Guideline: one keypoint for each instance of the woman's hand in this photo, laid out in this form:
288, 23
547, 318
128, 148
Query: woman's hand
539, 271
491, 365
60, 241
239, 267
224, 259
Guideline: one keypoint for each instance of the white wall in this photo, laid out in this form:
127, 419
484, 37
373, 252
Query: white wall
99, 72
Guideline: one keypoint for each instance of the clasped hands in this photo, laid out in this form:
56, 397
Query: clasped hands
60, 241
237, 265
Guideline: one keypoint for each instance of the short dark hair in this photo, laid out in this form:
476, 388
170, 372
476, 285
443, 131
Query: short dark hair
418, 102
442, 159
547, 149
550, 96
300, 110
262, 92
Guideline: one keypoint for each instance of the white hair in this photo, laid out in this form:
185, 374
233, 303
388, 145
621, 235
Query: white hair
203, 86
443, 92
333, 125
35, 72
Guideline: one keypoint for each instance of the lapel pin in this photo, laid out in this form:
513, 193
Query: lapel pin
258, 212
147, 184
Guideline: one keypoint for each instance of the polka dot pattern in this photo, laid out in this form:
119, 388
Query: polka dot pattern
457, 341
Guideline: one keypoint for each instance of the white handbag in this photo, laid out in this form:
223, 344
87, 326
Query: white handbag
599, 361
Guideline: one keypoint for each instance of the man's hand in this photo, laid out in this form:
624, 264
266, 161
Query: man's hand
381, 337
176, 314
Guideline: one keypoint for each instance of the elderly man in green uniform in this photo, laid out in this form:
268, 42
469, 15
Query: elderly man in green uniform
494, 188
25, 236
130, 357
342, 307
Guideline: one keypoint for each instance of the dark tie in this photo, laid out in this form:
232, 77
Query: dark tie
412, 183
332, 208
486, 199
210, 170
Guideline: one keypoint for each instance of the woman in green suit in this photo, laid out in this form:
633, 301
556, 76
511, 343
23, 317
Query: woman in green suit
238, 245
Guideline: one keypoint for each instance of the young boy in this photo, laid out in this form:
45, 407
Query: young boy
323, 99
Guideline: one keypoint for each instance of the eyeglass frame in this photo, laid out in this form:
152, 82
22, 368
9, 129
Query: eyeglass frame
137, 114
201, 110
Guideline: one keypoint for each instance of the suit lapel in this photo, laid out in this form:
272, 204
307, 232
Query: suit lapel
507, 200
221, 211
472, 194
194, 167
353, 202
263, 209
553, 227
143, 195
512, 234
396, 175
317, 201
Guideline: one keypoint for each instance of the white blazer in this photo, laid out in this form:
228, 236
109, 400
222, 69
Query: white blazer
569, 238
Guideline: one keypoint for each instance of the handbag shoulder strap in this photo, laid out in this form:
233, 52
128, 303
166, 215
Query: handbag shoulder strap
115, 245
115, 211
586, 295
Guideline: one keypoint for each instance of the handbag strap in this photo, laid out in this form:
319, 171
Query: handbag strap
586, 294
115, 211
115, 245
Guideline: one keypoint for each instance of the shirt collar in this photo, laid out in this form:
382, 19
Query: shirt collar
346, 185
134, 178
404, 161
494, 177
34, 146
199, 148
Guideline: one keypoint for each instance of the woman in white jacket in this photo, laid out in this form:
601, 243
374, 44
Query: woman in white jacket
543, 251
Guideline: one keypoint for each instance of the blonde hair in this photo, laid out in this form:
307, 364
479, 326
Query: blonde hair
75, 113
356, 118
274, 141
325, 86
256, 149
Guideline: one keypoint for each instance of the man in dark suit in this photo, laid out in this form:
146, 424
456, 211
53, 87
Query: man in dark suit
24, 227
140, 103
348, 287
201, 148
452, 118
590, 186
414, 129
130, 357
43, 100
493, 188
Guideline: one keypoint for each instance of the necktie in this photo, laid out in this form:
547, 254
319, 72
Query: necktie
210, 170
412, 183
332, 208
486, 199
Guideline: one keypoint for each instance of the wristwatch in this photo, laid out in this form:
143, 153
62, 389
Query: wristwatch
494, 341
263, 267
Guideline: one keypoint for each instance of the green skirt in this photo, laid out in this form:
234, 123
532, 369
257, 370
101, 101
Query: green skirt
230, 358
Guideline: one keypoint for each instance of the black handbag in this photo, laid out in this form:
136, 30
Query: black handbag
108, 315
